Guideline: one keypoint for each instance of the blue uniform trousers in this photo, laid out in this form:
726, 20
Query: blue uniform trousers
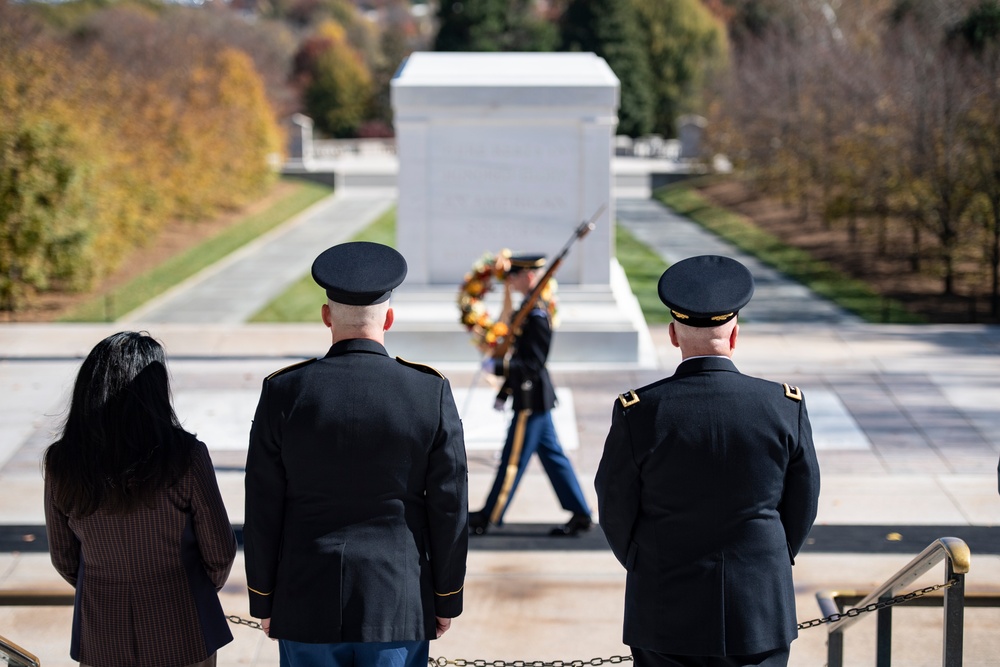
354, 654
529, 433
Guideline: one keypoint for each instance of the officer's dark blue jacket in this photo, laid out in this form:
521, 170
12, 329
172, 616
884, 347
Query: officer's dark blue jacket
526, 379
356, 500
707, 489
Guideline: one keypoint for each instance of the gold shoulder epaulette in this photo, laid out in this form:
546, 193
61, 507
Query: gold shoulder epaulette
420, 367
290, 368
629, 398
791, 392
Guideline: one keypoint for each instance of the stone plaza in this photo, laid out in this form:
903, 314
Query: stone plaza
906, 428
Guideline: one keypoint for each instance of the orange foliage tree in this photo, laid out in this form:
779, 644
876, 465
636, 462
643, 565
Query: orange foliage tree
105, 137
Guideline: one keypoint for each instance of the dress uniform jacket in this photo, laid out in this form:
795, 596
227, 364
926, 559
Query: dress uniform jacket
526, 378
146, 581
356, 500
707, 489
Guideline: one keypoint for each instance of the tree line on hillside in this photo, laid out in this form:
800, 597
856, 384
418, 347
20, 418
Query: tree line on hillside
662, 51
880, 116
117, 116
134, 118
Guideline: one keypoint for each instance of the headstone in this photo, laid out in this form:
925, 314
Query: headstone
690, 129
300, 138
503, 150
624, 145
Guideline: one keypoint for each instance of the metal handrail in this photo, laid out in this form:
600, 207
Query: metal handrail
957, 557
15, 656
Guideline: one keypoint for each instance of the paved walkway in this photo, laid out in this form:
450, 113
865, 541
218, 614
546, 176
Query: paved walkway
234, 289
905, 417
776, 298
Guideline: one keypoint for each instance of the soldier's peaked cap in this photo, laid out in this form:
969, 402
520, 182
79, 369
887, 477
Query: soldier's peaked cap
359, 273
705, 291
522, 262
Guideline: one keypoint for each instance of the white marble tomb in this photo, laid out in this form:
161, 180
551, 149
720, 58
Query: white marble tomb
509, 150
503, 150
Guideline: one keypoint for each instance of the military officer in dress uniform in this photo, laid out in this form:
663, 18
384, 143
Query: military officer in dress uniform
707, 488
356, 487
527, 382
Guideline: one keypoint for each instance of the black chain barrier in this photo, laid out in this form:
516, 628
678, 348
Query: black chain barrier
236, 620
444, 662
875, 606
616, 659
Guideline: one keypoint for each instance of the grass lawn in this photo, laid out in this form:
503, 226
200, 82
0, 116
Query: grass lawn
848, 293
301, 302
128, 297
643, 267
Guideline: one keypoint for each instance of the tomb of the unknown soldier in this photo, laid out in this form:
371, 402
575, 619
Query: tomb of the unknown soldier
510, 150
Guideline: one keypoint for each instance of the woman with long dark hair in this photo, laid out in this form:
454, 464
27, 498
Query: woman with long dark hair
134, 516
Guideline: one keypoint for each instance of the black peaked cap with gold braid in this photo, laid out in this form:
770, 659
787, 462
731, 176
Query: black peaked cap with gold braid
522, 262
359, 273
705, 291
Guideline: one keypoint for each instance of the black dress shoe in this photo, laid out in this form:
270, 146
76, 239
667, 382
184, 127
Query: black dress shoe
479, 523
578, 523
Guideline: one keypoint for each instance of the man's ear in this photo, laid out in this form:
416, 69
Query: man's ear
390, 317
733, 336
673, 335
327, 320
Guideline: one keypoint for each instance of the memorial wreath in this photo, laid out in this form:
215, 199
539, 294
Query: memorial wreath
487, 332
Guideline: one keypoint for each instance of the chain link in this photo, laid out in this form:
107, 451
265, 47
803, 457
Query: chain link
236, 620
616, 659
595, 662
875, 606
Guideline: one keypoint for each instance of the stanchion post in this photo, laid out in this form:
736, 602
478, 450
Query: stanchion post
954, 618
883, 646
835, 649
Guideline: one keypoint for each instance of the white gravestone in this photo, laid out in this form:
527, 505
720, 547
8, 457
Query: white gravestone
690, 130
503, 150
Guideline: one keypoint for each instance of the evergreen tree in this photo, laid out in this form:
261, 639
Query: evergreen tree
610, 29
492, 25
981, 26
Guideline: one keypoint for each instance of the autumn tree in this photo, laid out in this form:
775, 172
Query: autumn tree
686, 45
107, 135
337, 86
270, 43
400, 36
933, 95
48, 155
978, 35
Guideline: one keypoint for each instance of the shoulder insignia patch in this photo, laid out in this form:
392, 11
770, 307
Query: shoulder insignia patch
290, 368
791, 392
629, 398
420, 367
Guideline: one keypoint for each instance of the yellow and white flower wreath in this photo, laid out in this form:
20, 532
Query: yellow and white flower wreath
486, 332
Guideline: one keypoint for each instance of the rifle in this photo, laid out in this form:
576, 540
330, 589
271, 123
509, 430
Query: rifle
532, 298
